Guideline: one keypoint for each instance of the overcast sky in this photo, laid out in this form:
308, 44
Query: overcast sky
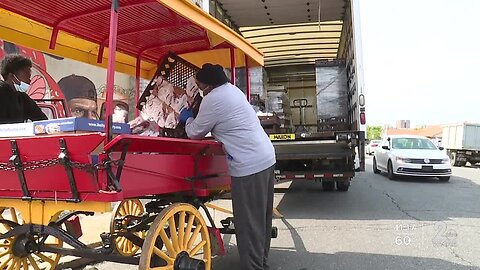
421, 60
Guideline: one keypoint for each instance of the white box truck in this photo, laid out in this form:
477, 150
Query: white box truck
462, 143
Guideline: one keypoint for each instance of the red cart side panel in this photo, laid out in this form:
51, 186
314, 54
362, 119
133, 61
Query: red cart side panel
157, 174
164, 145
52, 179
156, 165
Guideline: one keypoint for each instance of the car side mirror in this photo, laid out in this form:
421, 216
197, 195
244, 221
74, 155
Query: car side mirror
441, 148
385, 147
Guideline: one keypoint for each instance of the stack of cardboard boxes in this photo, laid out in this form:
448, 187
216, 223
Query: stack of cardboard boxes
278, 110
58, 126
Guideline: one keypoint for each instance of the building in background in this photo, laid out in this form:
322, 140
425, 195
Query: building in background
433, 132
403, 124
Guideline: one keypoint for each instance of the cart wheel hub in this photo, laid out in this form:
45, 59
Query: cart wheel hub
23, 246
185, 262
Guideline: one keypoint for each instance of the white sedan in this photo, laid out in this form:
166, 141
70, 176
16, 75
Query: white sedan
372, 145
412, 156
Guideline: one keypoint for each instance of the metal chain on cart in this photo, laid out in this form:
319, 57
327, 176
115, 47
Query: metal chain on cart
40, 164
7, 166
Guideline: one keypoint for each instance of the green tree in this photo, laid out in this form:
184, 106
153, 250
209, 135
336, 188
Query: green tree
374, 132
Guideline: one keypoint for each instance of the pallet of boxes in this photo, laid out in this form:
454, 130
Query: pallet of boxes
278, 116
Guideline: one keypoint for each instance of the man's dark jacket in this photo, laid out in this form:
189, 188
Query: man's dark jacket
17, 107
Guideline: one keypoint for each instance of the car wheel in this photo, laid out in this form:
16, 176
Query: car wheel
328, 185
391, 175
444, 178
375, 169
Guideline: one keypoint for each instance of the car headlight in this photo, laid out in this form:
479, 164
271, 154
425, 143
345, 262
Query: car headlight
445, 160
403, 160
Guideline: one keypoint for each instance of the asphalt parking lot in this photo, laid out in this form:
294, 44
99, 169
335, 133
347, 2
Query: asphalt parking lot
410, 223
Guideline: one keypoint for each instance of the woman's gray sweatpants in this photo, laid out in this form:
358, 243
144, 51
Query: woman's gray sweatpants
252, 198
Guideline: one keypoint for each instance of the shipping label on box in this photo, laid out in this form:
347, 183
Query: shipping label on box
16, 130
73, 124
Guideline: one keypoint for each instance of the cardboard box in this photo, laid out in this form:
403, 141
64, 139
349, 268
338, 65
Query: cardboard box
73, 124
16, 130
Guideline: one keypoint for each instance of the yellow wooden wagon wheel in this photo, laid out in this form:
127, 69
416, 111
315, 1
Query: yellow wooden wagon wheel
131, 207
14, 256
168, 244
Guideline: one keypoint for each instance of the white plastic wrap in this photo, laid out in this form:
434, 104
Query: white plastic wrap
278, 102
332, 92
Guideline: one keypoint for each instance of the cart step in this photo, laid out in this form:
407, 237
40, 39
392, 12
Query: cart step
232, 231
229, 228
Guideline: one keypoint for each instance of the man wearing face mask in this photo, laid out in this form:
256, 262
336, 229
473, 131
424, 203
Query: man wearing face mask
15, 105
226, 113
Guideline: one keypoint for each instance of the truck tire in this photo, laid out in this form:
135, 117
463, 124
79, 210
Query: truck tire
455, 162
375, 169
328, 185
343, 185
390, 173
453, 159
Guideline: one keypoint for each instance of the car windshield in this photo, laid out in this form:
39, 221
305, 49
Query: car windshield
412, 143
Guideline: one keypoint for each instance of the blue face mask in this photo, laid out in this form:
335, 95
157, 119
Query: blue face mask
22, 86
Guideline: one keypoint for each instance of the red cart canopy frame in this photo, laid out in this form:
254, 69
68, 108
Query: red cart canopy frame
144, 29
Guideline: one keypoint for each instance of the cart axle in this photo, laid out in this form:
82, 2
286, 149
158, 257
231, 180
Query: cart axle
23, 246
185, 262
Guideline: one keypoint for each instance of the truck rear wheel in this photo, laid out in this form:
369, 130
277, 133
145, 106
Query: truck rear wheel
328, 185
455, 162
343, 185
453, 159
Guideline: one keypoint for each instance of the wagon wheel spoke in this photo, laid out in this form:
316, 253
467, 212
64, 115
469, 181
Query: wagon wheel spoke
163, 255
166, 242
130, 246
130, 207
5, 263
5, 253
18, 264
173, 233
45, 258
197, 248
194, 236
33, 263
188, 230
181, 230
14, 263
135, 209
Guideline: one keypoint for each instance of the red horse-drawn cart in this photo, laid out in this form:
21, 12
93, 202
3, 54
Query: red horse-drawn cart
47, 181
